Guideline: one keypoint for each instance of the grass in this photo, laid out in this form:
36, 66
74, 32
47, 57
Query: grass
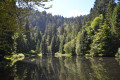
40, 54
60, 55
88, 55
14, 58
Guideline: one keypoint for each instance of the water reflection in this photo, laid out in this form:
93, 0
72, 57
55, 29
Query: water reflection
63, 68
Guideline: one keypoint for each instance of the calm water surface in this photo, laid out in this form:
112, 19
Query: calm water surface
63, 68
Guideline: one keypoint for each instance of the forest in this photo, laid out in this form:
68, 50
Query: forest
29, 33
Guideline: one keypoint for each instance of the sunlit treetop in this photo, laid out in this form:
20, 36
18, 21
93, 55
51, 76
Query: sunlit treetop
32, 3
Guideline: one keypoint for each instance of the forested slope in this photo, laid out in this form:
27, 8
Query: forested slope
95, 34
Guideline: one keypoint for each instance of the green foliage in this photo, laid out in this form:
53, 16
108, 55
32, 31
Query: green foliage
110, 7
53, 45
78, 44
70, 47
118, 53
8, 26
82, 43
21, 43
38, 46
43, 46
100, 7
40, 32
73, 46
97, 22
61, 55
101, 44
11, 21
61, 47
67, 47
14, 58
32, 52
116, 21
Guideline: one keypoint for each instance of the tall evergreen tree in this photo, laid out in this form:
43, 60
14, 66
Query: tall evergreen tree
28, 35
55, 44
21, 44
38, 47
116, 21
61, 47
109, 12
100, 7
43, 46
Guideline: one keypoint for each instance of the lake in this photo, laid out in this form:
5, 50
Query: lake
63, 68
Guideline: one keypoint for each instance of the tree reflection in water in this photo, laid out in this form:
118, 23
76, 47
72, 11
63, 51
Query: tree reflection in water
62, 68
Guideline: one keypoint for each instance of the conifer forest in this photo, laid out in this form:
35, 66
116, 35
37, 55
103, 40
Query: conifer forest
28, 33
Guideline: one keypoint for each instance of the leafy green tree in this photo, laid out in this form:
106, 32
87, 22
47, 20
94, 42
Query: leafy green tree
73, 46
102, 42
70, 47
8, 26
97, 22
67, 47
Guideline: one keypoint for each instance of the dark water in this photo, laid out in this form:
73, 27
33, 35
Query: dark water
63, 68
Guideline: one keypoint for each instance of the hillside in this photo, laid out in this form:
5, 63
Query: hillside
95, 34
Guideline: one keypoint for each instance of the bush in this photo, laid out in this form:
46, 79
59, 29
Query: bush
32, 52
118, 53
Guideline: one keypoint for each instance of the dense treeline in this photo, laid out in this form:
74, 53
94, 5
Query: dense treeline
96, 34
100, 34
45, 33
12, 14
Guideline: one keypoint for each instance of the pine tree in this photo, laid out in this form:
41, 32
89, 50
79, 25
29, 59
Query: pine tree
109, 12
100, 7
21, 44
28, 35
116, 21
38, 47
43, 46
61, 47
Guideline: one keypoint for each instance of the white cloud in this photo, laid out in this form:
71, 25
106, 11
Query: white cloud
53, 12
75, 13
72, 13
